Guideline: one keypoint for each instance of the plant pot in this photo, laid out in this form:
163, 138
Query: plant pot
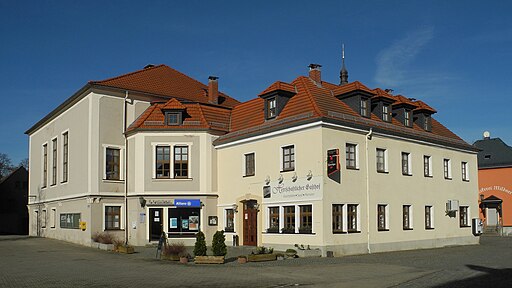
209, 260
125, 249
171, 257
261, 257
242, 260
184, 260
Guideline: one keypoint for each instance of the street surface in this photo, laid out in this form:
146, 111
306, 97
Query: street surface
39, 262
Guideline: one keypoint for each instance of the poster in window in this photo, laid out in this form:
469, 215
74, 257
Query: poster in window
184, 223
173, 223
193, 222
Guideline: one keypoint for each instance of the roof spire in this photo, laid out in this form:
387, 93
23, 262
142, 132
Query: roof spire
343, 72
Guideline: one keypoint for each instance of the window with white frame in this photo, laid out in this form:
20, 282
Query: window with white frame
465, 171
171, 160
54, 161
53, 217
112, 163
385, 113
365, 108
273, 220
337, 218
230, 220
180, 161
353, 218
464, 216
406, 164
351, 155
407, 217
249, 164
429, 217
45, 166
381, 160
112, 217
447, 169
43, 219
271, 108
306, 219
288, 160
163, 161
289, 219
427, 166
382, 217
65, 156
407, 118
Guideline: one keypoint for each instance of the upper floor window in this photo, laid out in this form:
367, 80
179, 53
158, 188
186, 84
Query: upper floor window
45, 165
447, 169
464, 216
173, 118
180, 161
65, 156
427, 166
364, 108
465, 172
385, 113
407, 118
429, 222
288, 153
337, 218
249, 164
351, 155
381, 160
382, 218
54, 161
112, 165
163, 161
406, 163
427, 122
271, 107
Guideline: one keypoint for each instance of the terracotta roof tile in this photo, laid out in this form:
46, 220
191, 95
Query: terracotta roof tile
354, 86
379, 93
173, 104
402, 100
164, 81
278, 86
423, 106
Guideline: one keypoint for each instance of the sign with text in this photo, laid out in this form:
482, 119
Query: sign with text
299, 190
187, 202
333, 165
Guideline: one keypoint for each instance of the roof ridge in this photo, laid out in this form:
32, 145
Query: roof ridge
127, 74
313, 102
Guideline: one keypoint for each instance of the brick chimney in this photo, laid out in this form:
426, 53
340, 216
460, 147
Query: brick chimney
213, 90
314, 73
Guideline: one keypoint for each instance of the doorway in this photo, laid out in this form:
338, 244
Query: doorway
250, 223
492, 217
156, 219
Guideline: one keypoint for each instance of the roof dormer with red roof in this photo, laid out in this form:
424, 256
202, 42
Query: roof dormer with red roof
402, 110
276, 96
423, 115
357, 96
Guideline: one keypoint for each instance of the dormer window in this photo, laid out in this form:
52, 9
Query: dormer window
407, 118
173, 118
385, 113
364, 108
271, 108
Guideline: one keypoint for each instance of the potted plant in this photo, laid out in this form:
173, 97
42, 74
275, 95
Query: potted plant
288, 230
184, 257
121, 247
200, 245
280, 256
219, 250
172, 251
290, 253
273, 229
242, 259
104, 241
262, 253
305, 230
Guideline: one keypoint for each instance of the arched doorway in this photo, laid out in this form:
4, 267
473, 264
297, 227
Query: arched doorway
250, 223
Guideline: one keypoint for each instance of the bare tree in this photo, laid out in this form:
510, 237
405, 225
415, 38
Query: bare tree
24, 163
5, 165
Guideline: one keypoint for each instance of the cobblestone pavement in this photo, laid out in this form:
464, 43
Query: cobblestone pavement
39, 262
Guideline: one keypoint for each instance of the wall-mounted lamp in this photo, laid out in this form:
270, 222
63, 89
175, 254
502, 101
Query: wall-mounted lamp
142, 201
310, 175
256, 206
235, 208
481, 197
267, 180
280, 179
294, 177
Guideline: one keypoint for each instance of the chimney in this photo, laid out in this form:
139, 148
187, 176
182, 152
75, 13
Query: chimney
213, 90
314, 73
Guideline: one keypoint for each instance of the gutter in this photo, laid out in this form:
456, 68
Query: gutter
368, 138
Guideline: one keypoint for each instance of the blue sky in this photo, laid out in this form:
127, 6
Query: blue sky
453, 55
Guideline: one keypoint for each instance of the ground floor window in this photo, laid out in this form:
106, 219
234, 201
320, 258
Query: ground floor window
289, 219
112, 217
352, 218
53, 217
183, 222
428, 218
407, 217
230, 220
273, 214
43, 219
464, 216
306, 219
382, 217
337, 218
70, 220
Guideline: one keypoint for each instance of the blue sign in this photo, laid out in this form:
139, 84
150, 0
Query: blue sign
187, 202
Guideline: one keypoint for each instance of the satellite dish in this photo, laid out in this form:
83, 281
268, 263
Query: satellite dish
487, 134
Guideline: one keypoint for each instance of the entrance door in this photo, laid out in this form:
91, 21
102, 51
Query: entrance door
156, 220
250, 223
492, 217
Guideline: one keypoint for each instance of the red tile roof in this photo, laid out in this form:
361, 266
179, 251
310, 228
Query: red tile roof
173, 104
162, 80
354, 86
278, 86
423, 106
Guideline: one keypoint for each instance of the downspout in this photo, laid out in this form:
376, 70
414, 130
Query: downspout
368, 138
125, 117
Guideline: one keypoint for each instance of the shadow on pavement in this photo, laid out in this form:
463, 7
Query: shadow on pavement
495, 278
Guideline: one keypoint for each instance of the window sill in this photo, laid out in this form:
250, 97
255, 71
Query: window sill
408, 229
354, 232
406, 174
112, 181
447, 178
383, 172
111, 230
172, 179
289, 170
249, 175
339, 232
382, 230
429, 228
63, 182
352, 168
465, 180
465, 226
428, 176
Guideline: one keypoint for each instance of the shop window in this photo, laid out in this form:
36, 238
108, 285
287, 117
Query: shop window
306, 219
289, 219
273, 214
230, 220
112, 217
180, 161
183, 222
337, 218
464, 216
70, 220
407, 217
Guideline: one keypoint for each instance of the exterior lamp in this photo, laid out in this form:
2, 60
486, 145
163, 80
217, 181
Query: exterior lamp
142, 201
481, 197
310, 175
280, 178
256, 206
267, 180
235, 208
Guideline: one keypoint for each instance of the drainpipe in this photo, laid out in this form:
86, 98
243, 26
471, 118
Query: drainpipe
125, 117
368, 138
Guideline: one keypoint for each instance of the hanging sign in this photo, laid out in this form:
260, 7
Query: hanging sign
187, 202
333, 165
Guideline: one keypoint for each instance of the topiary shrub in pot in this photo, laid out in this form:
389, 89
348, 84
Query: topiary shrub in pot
219, 247
200, 246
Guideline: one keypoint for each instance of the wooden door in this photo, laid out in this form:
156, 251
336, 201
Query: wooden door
250, 224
